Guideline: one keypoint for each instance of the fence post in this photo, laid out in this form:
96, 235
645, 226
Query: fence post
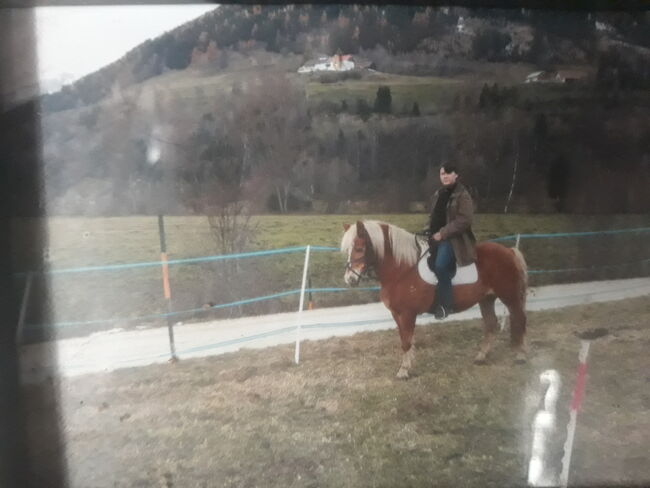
23, 309
578, 394
166, 287
302, 302
544, 429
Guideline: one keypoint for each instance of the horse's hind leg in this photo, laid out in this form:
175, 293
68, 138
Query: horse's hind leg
518, 331
406, 327
489, 328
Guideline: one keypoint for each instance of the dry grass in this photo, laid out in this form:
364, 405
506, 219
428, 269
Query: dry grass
340, 419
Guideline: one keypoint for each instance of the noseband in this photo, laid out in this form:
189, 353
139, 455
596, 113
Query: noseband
365, 272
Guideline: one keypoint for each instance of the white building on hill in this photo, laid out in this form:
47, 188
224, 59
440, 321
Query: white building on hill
337, 62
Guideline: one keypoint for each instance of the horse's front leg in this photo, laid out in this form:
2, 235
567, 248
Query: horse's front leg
406, 326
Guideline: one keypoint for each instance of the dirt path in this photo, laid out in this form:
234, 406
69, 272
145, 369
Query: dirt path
116, 349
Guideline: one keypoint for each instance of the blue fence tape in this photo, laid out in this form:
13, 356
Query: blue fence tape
288, 330
171, 262
295, 292
590, 268
285, 330
221, 257
309, 290
246, 301
571, 234
325, 248
287, 250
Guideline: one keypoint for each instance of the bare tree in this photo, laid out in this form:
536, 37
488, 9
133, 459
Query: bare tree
231, 226
233, 230
272, 126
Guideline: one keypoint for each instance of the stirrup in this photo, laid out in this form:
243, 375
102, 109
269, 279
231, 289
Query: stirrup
439, 312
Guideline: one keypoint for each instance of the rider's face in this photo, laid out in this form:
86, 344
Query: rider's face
447, 179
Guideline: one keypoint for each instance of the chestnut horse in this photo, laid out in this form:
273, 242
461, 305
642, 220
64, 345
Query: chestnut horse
393, 253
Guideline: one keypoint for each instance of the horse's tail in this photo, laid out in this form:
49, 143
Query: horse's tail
522, 267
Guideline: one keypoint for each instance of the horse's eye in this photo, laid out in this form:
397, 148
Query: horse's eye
358, 249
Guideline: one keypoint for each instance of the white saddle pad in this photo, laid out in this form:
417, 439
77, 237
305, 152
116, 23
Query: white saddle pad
464, 274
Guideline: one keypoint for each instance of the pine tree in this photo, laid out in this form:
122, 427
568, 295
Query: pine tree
363, 109
383, 100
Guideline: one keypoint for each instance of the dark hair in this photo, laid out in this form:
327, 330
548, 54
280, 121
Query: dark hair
449, 167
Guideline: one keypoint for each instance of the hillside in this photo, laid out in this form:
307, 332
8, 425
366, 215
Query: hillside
407, 40
215, 112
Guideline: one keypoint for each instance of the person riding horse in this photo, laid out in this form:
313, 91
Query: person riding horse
451, 239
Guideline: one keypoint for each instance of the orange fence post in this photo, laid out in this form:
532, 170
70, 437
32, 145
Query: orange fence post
166, 288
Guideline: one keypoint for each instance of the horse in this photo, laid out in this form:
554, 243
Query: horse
393, 253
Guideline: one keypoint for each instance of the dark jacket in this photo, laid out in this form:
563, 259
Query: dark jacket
458, 230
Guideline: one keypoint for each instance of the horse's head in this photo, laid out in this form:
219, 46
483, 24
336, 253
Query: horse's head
356, 242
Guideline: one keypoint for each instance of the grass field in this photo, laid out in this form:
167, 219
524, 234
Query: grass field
341, 419
431, 93
436, 94
109, 297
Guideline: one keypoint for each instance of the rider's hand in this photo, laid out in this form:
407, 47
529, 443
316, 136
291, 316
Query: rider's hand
437, 236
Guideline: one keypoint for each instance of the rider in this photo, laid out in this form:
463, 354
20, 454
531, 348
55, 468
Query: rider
451, 239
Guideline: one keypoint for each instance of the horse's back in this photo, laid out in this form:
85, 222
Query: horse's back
493, 252
499, 267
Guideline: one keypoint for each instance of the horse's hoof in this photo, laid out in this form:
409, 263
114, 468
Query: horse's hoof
403, 374
520, 358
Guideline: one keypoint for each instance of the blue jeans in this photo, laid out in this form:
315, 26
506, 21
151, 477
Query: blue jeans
445, 269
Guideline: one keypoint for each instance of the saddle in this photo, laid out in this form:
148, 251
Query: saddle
464, 274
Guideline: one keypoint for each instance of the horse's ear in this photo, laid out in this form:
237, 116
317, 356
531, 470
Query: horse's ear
346, 227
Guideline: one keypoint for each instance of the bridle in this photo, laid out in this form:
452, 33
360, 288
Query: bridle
367, 268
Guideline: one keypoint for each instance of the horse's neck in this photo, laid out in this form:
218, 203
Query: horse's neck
389, 269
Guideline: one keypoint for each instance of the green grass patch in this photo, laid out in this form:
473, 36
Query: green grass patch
431, 93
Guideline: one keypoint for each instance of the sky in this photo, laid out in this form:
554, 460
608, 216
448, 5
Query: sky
75, 41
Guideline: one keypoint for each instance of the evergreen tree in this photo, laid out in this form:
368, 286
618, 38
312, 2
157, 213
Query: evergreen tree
363, 109
179, 54
383, 100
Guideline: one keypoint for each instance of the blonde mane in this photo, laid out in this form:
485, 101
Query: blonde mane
402, 242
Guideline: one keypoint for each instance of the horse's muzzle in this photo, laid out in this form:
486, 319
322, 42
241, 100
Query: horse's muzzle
352, 277
352, 280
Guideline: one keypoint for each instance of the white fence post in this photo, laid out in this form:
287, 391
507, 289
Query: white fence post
578, 394
544, 429
302, 302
